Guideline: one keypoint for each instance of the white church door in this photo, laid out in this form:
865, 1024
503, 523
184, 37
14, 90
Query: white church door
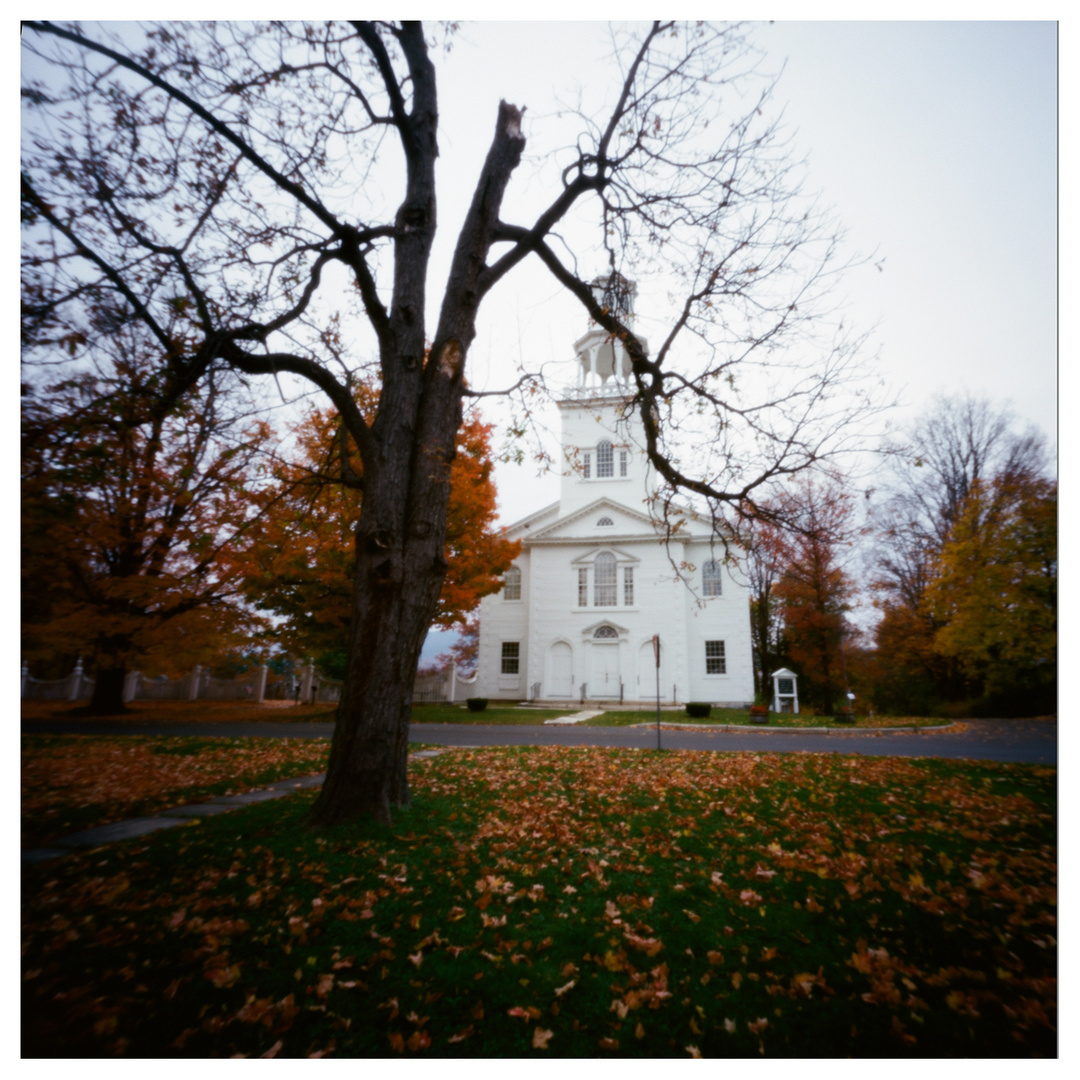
560, 671
646, 674
603, 680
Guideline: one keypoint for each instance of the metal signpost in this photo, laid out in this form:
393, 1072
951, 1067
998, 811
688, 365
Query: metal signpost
656, 653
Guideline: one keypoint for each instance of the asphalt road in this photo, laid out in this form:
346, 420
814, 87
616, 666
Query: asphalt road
1032, 741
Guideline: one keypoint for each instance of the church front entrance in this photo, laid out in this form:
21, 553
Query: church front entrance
603, 676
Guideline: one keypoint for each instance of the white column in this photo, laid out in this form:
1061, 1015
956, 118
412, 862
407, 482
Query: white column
75, 680
307, 675
260, 682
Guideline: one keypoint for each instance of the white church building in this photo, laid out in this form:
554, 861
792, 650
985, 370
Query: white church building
596, 581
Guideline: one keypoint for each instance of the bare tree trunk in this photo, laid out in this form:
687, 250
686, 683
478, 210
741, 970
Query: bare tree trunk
398, 576
401, 537
108, 696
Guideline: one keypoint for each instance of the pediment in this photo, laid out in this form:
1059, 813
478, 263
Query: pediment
541, 519
582, 524
590, 555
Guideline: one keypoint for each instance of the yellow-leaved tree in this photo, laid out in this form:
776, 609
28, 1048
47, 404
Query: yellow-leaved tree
994, 589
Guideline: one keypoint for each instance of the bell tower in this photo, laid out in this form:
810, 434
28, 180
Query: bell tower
602, 436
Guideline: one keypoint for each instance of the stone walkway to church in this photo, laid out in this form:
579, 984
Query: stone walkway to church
135, 827
575, 718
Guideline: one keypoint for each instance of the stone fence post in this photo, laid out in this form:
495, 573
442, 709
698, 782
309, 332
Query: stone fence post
193, 685
260, 682
131, 684
74, 679
307, 676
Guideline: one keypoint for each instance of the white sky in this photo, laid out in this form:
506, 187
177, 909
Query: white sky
934, 141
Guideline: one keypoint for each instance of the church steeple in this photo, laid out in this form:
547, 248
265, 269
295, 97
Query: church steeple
602, 438
603, 364
615, 294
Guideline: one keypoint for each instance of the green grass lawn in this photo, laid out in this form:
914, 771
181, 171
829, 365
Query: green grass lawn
572, 902
742, 718
493, 714
496, 714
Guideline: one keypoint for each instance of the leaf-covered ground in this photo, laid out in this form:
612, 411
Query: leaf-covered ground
573, 902
73, 782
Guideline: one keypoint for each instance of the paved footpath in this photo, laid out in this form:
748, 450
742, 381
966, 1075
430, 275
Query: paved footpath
1033, 741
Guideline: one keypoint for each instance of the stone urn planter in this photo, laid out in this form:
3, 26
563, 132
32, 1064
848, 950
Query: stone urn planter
759, 714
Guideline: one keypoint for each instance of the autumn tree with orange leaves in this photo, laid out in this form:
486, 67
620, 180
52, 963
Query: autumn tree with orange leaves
764, 565
303, 565
137, 495
814, 591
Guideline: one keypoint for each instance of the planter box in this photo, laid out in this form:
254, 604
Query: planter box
759, 714
476, 704
699, 710
844, 717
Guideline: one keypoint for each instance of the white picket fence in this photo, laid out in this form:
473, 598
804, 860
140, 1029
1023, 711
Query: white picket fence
307, 685
445, 685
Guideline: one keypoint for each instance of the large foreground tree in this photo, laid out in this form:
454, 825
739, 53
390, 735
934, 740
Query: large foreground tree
240, 172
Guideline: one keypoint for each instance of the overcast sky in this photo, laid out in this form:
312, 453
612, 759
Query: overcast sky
936, 142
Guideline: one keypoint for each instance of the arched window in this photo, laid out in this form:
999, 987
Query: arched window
605, 459
512, 584
710, 578
605, 521
606, 632
605, 585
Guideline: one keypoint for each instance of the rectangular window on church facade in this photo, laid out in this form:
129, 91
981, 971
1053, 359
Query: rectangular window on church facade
715, 661
605, 459
583, 587
586, 469
511, 655
628, 586
606, 584
623, 459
